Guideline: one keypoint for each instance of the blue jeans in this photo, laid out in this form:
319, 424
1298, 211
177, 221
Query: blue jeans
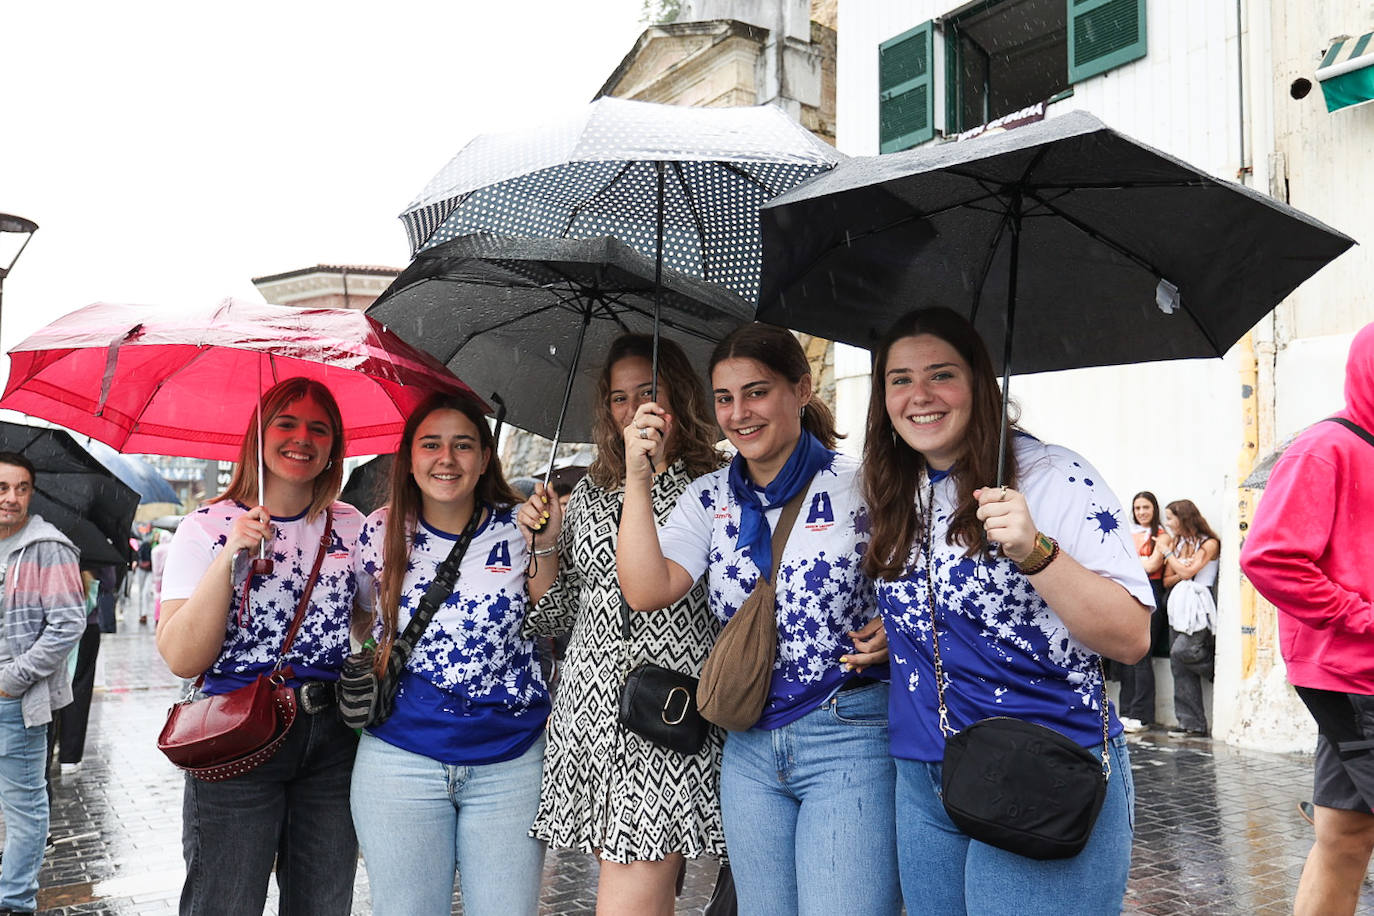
944, 872
24, 803
808, 811
419, 819
292, 810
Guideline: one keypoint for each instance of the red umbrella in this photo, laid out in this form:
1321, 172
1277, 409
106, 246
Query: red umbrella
186, 382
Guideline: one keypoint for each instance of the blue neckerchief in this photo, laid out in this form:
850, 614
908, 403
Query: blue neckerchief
755, 539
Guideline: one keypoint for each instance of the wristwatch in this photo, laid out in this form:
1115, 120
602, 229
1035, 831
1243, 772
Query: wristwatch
1042, 554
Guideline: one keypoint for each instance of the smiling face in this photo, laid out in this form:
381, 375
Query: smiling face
446, 459
16, 489
1143, 511
928, 389
297, 442
759, 412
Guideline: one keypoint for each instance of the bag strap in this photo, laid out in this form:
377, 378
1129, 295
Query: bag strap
445, 577
790, 510
1354, 427
946, 730
309, 584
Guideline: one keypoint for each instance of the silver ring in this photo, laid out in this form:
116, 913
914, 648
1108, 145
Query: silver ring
644, 432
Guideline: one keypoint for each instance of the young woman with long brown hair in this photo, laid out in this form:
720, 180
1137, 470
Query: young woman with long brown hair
1190, 549
294, 808
1031, 583
806, 794
642, 808
451, 778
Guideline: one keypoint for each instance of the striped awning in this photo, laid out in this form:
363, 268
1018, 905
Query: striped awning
1346, 73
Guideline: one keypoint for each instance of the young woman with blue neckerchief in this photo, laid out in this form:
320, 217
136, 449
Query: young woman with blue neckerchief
807, 793
1021, 626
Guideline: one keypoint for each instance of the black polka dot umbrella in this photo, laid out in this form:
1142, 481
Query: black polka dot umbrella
683, 183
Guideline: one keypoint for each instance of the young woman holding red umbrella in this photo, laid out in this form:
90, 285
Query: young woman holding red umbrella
222, 622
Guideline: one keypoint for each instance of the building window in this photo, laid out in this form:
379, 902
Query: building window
1002, 57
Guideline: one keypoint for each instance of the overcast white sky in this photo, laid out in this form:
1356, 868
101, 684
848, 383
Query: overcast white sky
171, 151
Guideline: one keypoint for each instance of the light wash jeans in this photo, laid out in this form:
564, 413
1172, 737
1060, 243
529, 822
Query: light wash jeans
418, 819
809, 811
944, 872
24, 804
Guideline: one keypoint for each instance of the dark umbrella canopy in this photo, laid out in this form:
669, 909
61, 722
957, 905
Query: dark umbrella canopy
1094, 227
75, 492
368, 485
134, 471
510, 313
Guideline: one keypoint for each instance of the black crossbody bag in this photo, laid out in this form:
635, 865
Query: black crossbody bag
1016, 785
365, 699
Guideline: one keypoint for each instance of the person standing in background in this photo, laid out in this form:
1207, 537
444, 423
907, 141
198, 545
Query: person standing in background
44, 611
1308, 552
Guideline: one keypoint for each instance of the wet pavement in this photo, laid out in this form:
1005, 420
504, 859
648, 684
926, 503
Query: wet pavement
1217, 829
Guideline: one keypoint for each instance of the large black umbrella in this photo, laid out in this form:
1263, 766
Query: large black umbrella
1081, 230
1066, 244
76, 493
517, 315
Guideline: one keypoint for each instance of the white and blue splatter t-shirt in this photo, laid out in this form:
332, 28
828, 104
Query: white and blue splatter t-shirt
1004, 651
472, 692
822, 593
252, 647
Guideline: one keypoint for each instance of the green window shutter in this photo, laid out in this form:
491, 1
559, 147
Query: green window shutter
906, 101
1104, 34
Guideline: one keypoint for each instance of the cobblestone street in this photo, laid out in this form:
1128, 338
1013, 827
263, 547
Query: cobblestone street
1217, 829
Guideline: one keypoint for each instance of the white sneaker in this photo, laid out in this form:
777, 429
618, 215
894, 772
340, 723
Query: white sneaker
71, 769
1132, 726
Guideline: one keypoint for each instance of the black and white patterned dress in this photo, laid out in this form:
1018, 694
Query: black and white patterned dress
605, 787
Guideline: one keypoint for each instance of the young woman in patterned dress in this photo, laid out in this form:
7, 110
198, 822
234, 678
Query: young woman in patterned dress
451, 778
806, 794
294, 808
1021, 626
641, 808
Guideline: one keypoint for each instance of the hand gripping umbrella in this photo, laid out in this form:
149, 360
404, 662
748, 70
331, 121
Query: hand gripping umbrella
680, 185
1065, 243
186, 382
517, 313
76, 493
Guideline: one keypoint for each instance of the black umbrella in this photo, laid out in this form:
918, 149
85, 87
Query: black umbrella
517, 314
1066, 244
366, 489
75, 493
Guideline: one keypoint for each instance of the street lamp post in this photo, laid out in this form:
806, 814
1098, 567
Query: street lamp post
19, 226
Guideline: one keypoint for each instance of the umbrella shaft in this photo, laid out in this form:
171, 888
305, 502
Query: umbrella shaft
1014, 223
567, 393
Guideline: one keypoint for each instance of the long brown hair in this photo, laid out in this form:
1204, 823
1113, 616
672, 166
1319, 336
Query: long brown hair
1154, 510
695, 435
1190, 522
404, 513
243, 486
892, 469
778, 350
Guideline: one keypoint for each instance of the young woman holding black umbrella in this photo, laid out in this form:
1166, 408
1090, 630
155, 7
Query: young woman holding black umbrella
1025, 586
806, 793
292, 810
642, 807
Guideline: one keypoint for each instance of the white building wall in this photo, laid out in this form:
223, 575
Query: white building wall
1174, 428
